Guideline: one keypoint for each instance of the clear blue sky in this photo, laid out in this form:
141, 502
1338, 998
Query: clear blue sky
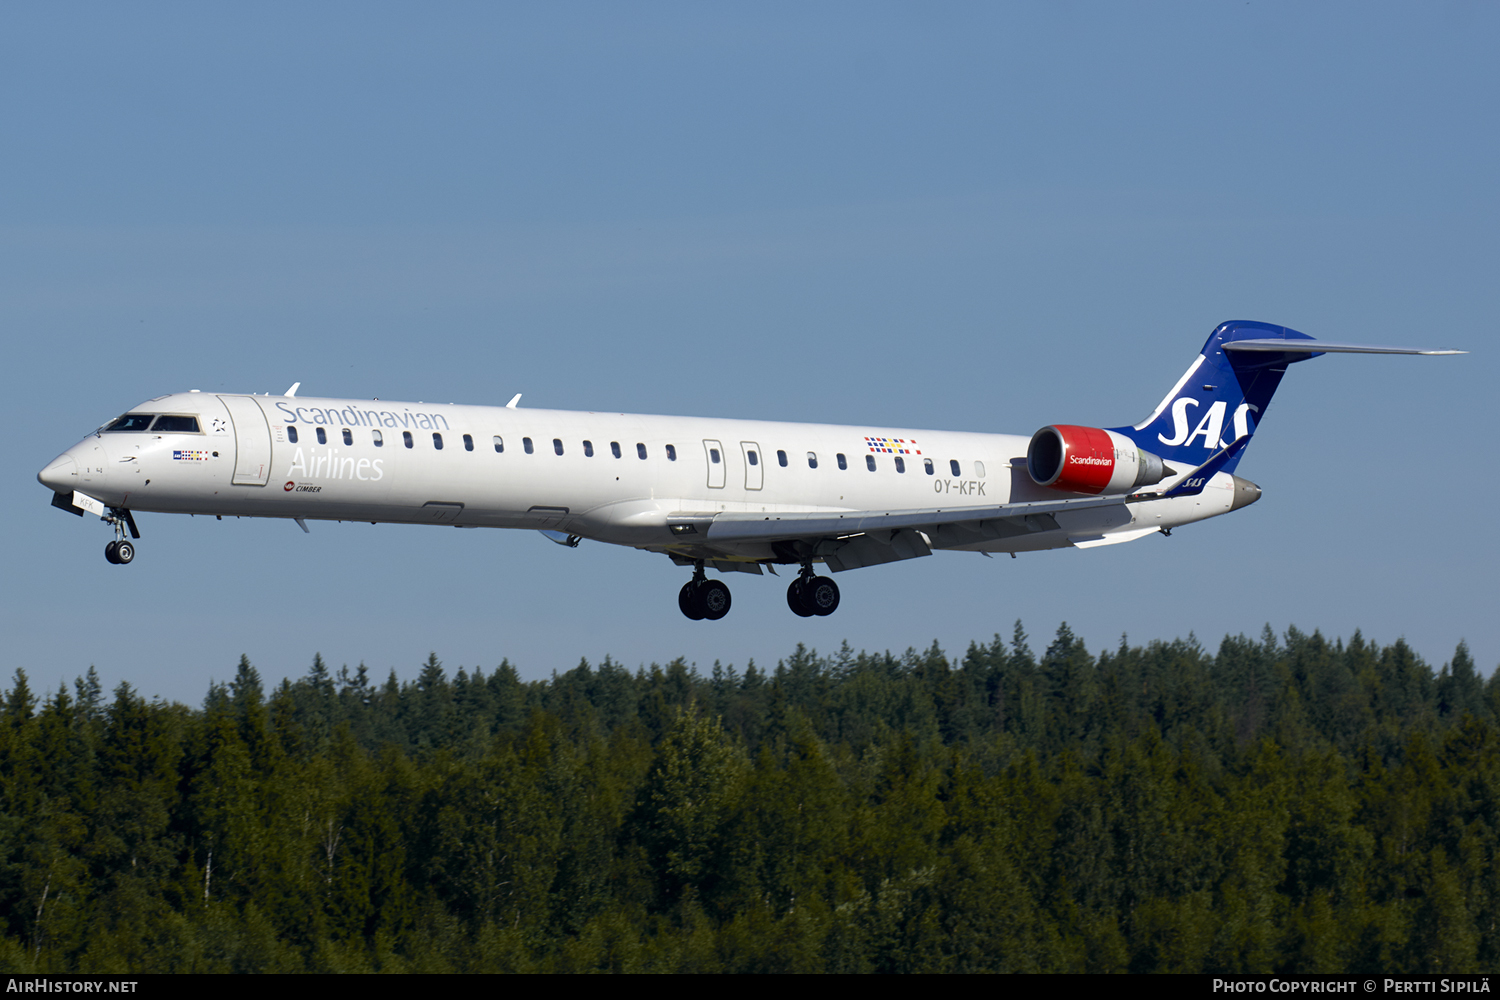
968, 216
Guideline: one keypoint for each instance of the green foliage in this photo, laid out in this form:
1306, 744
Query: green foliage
1284, 804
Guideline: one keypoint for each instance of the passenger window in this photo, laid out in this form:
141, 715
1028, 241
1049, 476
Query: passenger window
953, 464
752, 458
499, 444
588, 449
557, 445
614, 447
843, 462
812, 460
927, 466
526, 445
900, 464
291, 434
781, 458
671, 453
322, 438
713, 455
406, 438
979, 469
376, 436
468, 442
437, 441
870, 462
640, 450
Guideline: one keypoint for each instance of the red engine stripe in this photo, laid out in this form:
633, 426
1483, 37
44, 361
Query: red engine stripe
1088, 459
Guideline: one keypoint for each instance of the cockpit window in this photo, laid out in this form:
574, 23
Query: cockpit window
169, 423
130, 422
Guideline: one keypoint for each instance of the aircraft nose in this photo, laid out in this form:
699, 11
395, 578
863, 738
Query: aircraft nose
60, 475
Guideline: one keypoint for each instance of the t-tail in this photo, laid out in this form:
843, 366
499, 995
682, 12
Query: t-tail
1223, 395
1209, 415
1221, 398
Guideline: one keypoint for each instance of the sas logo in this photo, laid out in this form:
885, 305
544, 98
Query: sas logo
1210, 428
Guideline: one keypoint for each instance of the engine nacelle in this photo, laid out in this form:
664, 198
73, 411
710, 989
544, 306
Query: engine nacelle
1090, 460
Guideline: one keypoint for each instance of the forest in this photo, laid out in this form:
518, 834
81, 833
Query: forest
1283, 804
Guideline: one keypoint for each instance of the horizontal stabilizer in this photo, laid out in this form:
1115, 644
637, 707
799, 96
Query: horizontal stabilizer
1323, 347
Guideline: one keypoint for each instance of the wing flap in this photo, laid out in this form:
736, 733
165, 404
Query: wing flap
872, 549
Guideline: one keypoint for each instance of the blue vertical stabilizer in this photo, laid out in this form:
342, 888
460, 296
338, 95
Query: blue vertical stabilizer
1221, 397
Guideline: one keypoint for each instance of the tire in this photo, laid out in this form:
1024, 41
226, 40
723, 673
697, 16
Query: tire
794, 600
821, 595
713, 598
109, 553
124, 552
688, 603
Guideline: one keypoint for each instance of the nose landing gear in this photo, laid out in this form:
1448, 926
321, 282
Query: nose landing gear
120, 552
811, 595
702, 598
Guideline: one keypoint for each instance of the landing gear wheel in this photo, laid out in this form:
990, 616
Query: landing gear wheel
687, 602
124, 552
713, 598
796, 601
109, 553
821, 595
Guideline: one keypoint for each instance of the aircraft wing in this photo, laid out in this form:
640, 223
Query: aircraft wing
853, 539
737, 527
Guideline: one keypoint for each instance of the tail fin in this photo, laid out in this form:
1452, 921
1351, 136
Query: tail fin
1222, 397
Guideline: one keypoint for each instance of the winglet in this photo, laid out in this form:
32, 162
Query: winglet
293, 390
513, 401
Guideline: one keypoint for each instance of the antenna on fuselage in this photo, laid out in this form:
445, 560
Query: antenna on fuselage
293, 390
513, 401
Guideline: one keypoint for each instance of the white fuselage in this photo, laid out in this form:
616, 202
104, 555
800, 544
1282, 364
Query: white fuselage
611, 477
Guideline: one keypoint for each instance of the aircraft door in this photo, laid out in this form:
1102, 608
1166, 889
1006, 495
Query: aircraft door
252, 441
714, 452
754, 471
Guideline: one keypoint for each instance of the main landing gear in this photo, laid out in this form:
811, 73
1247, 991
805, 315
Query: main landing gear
808, 595
120, 551
702, 598
812, 595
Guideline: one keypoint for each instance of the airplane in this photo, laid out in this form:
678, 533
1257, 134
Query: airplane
731, 495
